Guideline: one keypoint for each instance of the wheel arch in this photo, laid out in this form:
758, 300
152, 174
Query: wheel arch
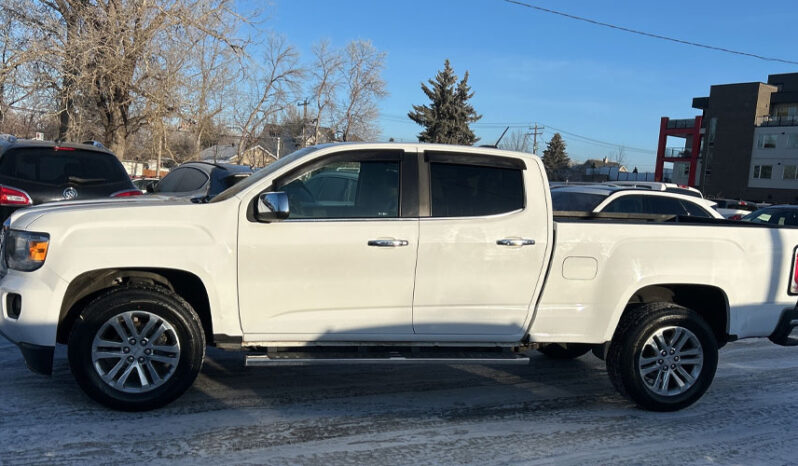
709, 301
88, 285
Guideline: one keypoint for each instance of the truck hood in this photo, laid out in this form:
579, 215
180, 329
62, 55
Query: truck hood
23, 218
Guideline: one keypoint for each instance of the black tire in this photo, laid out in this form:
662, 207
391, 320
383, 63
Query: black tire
565, 350
628, 347
184, 328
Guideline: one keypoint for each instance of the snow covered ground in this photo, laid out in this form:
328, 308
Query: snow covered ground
550, 412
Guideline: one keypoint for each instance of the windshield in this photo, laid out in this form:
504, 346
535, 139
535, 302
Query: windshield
571, 201
263, 173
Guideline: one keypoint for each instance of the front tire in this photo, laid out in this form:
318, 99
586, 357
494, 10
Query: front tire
663, 356
136, 348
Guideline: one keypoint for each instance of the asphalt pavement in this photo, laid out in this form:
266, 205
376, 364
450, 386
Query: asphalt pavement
550, 412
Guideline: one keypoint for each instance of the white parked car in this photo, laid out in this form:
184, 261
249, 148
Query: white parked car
613, 199
660, 186
426, 254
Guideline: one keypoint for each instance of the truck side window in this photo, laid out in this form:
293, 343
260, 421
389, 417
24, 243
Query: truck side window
458, 190
341, 189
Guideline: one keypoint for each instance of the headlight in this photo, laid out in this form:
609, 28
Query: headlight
26, 251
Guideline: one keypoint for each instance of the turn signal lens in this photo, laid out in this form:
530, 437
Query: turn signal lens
38, 250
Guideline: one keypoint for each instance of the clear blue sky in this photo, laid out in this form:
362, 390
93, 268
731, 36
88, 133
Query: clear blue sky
527, 66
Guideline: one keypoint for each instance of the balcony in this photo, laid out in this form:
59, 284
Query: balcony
678, 152
770, 120
681, 124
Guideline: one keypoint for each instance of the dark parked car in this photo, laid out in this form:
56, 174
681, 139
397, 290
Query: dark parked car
201, 179
783, 215
34, 172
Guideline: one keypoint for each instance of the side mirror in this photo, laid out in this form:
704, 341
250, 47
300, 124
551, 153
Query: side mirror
271, 207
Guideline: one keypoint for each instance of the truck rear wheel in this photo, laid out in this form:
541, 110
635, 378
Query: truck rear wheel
663, 356
136, 348
565, 350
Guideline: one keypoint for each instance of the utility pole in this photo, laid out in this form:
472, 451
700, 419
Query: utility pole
536, 131
304, 104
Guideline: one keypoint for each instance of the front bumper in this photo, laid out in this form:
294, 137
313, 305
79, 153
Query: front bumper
34, 331
39, 359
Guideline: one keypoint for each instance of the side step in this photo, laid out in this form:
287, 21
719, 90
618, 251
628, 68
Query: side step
787, 323
318, 359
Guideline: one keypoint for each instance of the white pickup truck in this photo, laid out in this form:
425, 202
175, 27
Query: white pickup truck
386, 253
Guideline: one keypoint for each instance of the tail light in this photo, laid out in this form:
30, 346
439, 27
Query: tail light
127, 193
794, 275
13, 197
736, 217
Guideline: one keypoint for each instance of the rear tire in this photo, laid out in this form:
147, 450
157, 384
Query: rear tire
663, 356
136, 347
565, 350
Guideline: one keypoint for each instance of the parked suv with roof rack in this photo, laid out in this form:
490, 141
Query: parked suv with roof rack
35, 172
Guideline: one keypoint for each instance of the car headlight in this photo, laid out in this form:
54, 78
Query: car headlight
25, 250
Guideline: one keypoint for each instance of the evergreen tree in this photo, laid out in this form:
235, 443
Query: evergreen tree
555, 159
446, 118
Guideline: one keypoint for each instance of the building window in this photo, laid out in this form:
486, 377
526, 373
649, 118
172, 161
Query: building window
763, 172
792, 141
767, 141
790, 172
713, 128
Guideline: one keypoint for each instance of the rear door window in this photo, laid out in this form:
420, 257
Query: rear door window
48, 166
458, 190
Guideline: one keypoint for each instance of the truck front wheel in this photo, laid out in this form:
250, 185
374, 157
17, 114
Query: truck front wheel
663, 356
136, 347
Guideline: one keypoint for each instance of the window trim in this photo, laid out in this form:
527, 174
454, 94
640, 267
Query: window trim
426, 158
408, 181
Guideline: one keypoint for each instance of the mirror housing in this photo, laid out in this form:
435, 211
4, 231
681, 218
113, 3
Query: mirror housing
272, 207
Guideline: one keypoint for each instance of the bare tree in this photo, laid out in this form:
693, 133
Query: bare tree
363, 86
326, 79
517, 140
619, 156
110, 58
267, 89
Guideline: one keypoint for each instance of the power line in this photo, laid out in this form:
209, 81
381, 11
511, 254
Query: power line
526, 125
652, 35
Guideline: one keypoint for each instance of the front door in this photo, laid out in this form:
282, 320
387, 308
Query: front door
343, 262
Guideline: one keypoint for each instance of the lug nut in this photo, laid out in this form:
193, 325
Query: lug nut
673, 366
660, 361
148, 351
676, 358
663, 353
125, 350
132, 341
144, 342
141, 359
130, 359
673, 350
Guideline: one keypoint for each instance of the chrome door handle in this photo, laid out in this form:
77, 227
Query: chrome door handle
387, 243
515, 242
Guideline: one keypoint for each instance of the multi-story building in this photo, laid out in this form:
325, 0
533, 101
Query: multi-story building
749, 143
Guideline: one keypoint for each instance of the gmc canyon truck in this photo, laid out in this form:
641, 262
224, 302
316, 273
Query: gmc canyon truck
386, 253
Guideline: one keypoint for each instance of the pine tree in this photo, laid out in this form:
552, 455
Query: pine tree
555, 159
447, 117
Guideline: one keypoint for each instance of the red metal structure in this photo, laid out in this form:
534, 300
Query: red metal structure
690, 130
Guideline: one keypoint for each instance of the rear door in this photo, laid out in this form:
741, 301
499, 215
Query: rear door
483, 245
